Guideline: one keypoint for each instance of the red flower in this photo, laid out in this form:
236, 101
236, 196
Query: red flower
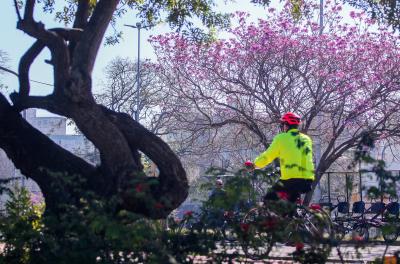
316, 207
159, 206
188, 214
270, 223
357, 238
139, 188
248, 163
244, 227
299, 246
283, 195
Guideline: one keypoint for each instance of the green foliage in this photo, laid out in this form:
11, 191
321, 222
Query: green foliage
262, 2
382, 10
95, 230
20, 227
180, 15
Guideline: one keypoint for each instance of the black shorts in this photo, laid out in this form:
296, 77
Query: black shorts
291, 189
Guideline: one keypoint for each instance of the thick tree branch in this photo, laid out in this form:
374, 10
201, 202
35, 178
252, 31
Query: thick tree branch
82, 14
25, 102
28, 12
70, 34
173, 185
93, 35
24, 66
57, 46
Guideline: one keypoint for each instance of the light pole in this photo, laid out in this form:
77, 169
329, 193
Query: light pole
318, 117
138, 26
321, 16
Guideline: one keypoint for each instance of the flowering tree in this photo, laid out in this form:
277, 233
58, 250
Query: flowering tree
342, 83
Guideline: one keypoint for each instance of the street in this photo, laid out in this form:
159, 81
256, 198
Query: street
363, 254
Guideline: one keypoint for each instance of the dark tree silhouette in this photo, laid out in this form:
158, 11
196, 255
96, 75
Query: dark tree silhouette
116, 135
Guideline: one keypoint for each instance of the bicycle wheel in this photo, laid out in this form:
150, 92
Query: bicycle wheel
258, 239
317, 226
229, 234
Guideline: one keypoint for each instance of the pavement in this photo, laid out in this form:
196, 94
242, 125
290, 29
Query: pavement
350, 253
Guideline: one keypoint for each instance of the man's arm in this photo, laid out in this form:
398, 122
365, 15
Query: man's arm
269, 155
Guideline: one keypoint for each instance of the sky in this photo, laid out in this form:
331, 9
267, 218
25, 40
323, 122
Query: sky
15, 43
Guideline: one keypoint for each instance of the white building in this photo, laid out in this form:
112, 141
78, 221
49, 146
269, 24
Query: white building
55, 128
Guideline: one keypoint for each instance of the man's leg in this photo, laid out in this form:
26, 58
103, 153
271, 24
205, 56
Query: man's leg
272, 194
296, 187
288, 190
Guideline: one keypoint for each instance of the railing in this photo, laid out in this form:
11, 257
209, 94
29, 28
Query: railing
352, 185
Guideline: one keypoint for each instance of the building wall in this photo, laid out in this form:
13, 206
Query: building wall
55, 128
47, 125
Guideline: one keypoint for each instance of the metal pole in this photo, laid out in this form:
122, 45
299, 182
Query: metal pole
321, 16
318, 141
138, 25
347, 188
347, 193
329, 188
361, 196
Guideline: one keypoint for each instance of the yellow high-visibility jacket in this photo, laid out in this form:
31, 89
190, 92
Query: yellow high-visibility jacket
294, 151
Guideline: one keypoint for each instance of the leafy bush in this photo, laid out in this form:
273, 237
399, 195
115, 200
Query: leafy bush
95, 230
20, 227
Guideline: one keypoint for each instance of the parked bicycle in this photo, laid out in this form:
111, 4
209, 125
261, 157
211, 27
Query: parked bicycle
362, 223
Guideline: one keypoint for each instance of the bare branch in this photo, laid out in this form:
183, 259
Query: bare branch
29, 7
24, 66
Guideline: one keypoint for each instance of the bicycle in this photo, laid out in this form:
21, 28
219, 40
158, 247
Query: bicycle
362, 228
391, 222
296, 224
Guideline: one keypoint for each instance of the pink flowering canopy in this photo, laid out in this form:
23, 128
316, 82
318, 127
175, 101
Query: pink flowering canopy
342, 81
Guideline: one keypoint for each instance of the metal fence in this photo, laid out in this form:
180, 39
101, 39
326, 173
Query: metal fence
352, 186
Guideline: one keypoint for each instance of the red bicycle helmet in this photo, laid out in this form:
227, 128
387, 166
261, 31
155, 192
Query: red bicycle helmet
291, 118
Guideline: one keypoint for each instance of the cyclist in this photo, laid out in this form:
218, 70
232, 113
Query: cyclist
294, 150
215, 205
